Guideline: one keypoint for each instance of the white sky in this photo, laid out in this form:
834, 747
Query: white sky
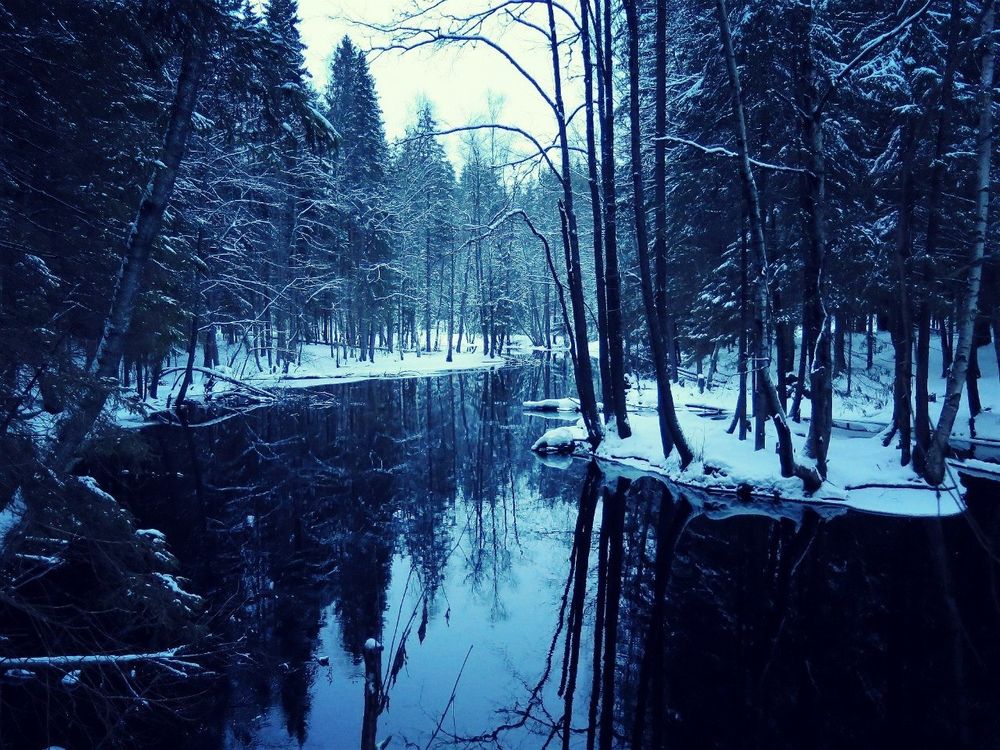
459, 82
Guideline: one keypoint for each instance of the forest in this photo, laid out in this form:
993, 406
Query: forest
745, 254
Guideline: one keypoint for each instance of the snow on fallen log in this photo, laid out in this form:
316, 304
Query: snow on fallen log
170, 659
560, 440
553, 404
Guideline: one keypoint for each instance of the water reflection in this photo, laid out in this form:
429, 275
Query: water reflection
601, 612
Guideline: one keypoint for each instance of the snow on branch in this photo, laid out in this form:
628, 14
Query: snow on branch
867, 50
725, 152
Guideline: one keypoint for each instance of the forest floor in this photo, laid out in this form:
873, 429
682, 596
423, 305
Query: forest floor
863, 474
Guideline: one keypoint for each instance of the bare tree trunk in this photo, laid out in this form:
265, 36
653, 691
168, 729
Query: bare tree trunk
461, 305
612, 274
946, 350
666, 324
869, 342
583, 370
839, 345
145, 229
740, 415
195, 323
451, 310
427, 291
902, 333
936, 188
670, 431
935, 460
995, 323
603, 334
372, 653
814, 197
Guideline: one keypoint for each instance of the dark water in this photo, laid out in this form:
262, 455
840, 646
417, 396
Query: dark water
412, 512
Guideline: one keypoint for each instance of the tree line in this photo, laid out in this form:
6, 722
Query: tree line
726, 174
783, 168
190, 198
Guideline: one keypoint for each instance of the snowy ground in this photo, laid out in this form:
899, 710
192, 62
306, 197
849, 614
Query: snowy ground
862, 473
316, 368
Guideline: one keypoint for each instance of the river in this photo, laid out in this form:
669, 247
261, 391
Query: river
412, 512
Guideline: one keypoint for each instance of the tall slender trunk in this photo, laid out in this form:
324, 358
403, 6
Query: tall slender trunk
902, 325
740, 414
946, 353
583, 370
451, 310
603, 335
427, 291
995, 324
609, 191
196, 305
934, 467
461, 304
789, 467
670, 430
145, 229
660, 187
814, 199
936, 188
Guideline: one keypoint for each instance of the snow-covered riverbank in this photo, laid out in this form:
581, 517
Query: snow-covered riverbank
863, 474
316, 368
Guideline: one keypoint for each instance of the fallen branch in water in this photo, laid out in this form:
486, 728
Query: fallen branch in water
450, 702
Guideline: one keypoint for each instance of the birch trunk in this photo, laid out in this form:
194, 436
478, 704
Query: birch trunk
78, 422
934, 467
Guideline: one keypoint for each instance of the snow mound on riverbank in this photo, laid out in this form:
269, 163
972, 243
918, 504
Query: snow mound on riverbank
560, 440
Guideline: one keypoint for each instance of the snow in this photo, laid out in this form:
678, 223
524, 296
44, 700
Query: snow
862, 473
71, 679
91, 484
560, 440
171, 583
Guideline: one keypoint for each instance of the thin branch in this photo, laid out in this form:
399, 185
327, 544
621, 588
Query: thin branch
722, 151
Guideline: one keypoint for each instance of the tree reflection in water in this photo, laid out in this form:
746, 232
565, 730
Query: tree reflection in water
603, 612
